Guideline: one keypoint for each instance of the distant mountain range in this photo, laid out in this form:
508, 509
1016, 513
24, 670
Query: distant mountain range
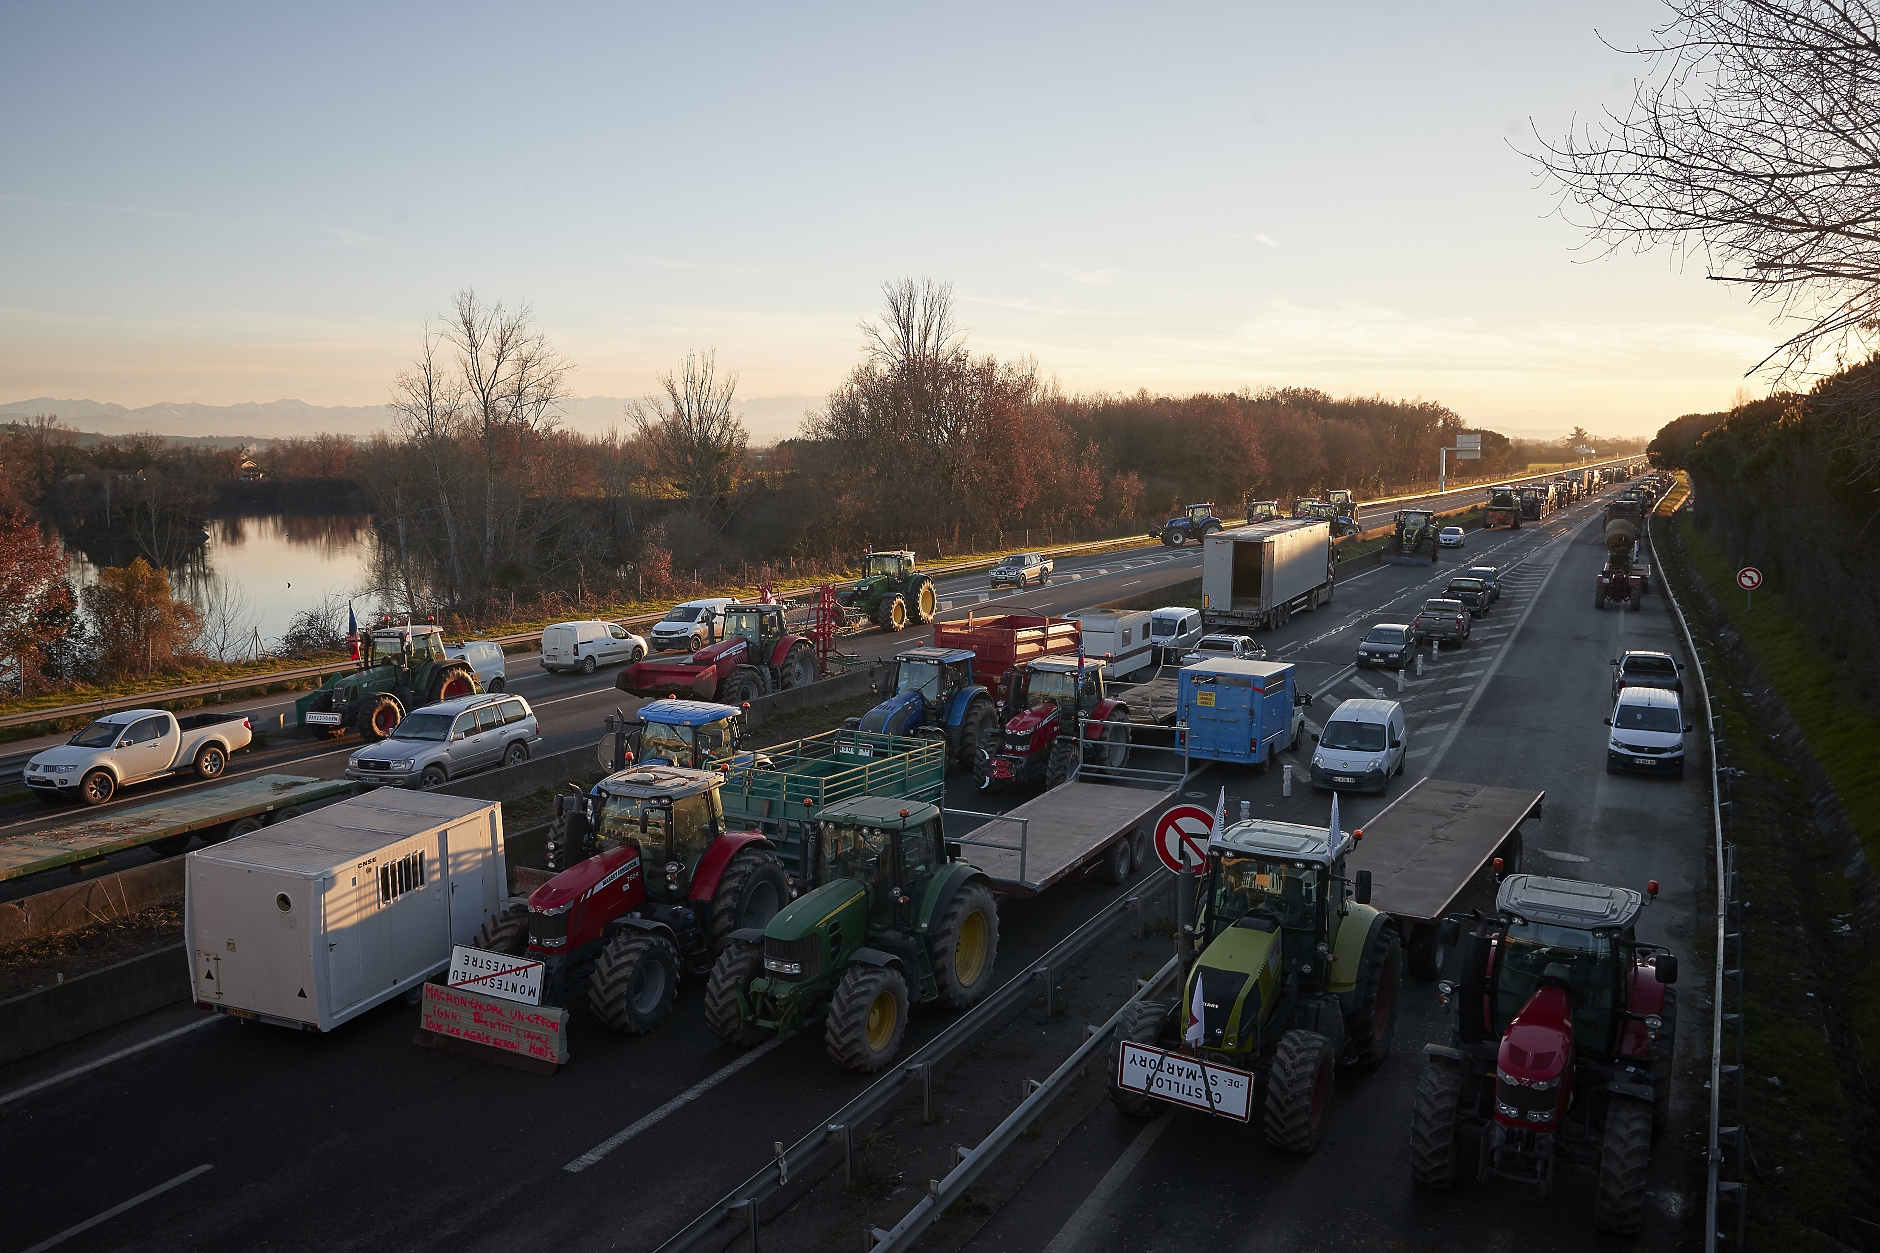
769, 418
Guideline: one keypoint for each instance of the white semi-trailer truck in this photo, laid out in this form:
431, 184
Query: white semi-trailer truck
1257, 576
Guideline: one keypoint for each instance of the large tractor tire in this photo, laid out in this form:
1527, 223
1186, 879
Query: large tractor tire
1141, 1025
1426, 951
1372, 1023
452, 682
1624, 1160
741, 962
1057, 768
750, 892
867, 1018
380, 718
507, 932
634, 981
742, 686
1174, 538
991, 744
799, 668
1299, 1091
964, 945
1436, 1125
1115, 750
891, 613
980, 715
924, 598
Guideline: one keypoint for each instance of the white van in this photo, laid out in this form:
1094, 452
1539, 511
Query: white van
691, 626
571, 646
1120, 638
1174, 631
486, 658
1648, 729
1364, 743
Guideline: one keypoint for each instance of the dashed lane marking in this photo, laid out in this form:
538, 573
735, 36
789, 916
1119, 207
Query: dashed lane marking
115, 1210
686, 1097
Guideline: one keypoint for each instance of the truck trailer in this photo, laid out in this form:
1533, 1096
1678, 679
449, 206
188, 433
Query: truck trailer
1257, 576
1002, 642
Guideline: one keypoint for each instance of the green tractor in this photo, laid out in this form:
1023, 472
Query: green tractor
891, 591
1297, 975
1414, 539
400, 669
898, 918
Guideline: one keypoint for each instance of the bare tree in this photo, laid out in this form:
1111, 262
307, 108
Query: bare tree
693, 437
1753, 144
228, 619
428, 410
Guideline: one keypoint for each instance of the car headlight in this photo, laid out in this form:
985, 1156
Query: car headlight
1318, 761
401, 765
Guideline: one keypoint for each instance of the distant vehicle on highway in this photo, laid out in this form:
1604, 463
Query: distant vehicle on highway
571, 646
454, 737
690, 626
1388, 644
135, 746
1489, 575
1023, 570
1441, 619
1639, 668
1450, 537
1473, 593
1174, 630
1224, 647
1648, 729
486, 658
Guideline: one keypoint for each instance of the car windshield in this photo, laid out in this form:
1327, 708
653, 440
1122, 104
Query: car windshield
882, 563
1355, 737
684, 613
99, 735
1649, 665
918, 676
1647, 718
1385, 635
1164, 626
1251, 885
1015, 559
1586, 964
423, 727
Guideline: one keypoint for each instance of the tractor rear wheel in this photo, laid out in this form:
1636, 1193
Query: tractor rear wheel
891, 613
964, 946
1057, 768
1624, 1160
799, 666
1436, 1125
750, 892
634, 981
741, 962
979, 716
1299, 1091
506, 933
867, 1018
452, 682
742, 686
378, 720
1372, 1025
925, 599
1141, 1025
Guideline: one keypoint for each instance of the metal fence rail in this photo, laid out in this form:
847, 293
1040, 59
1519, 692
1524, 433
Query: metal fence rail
833, 1140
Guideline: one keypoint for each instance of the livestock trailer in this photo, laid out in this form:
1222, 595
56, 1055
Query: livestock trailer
315, 920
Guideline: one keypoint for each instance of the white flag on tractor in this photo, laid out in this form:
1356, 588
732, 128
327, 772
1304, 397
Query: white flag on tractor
1220, 814
1331, 838
1194, 1033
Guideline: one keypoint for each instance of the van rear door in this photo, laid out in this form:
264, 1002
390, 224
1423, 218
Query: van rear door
558, 646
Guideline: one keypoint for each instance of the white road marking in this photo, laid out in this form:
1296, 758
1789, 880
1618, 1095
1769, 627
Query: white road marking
73, 1073
1440, 709
1076, 1233
686, 1097
115, 1210
1361, 684
1451, 691
1419, 752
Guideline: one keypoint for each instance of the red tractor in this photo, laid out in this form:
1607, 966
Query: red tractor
651, 886
756, 657
1029, 738
1562, 1049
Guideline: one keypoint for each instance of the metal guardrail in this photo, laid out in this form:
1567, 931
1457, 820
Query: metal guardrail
1725, 859
833, 1139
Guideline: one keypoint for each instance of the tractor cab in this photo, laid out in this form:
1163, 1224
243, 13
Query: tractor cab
759, 625
1414, 519
1302, 508
694, 734
1342, 499
1282, 880
1199, 513
1055, 682
1262, 511
403, 646
671, 814
890, 847
896, 565
928, 682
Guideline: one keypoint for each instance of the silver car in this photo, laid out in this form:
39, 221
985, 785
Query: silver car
1224, 647
451, 738
1023, 570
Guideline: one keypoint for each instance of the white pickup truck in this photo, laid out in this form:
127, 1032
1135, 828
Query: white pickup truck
132, 746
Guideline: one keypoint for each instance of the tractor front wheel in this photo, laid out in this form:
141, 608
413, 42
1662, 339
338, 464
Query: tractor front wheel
381, 718
506, 933
1624, 1159
980, 717
634, 981
742, 686
750, 892
1299, 1091
1141, 1025
1372, 1025
1174, 539
991, 741
891, 613
926, 600
453, 683
1058, 768
1436, 1125
799, 666
741, 962
964, 946
867, 1018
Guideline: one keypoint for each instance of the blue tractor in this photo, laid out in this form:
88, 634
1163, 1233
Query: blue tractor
1195, 522
695, 734
935, 696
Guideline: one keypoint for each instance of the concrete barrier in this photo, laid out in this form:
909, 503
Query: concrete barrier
512, 783
857, 682
51, 1016
81, 904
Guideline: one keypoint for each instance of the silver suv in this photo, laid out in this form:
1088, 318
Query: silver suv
450, 738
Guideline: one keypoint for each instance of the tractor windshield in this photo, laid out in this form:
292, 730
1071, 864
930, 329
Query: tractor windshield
661, 741
1055, 686
688, 821
1284, 892
923, 677
620, 824
744, 624
1200, 512
1588, 964
852, 852
387, 648
888, 564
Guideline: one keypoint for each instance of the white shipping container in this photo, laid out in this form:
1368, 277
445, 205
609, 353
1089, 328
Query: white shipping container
1120, 637
315, 920
1257, 576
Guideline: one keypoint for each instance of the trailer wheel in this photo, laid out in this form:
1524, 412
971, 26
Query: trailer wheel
799, 667
1372, 1026
741, 962
1624, 1159
1426, 951
1299, 1091
506, 932
965, 945
1118, 860
634, 981
1140, 1025
750, 892
1436, 1125
867, 1018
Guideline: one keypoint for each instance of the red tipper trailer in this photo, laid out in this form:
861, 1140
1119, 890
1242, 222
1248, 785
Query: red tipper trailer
1005, 641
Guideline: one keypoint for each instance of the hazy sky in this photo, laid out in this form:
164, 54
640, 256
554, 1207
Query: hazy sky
247, 202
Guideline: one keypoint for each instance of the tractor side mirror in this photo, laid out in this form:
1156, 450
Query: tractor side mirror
1667, 968
1449, 933
1363, 894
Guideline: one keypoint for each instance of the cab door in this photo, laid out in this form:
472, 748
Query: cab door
145, 749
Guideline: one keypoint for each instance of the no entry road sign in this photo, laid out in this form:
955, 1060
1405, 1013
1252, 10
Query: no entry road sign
1181, 837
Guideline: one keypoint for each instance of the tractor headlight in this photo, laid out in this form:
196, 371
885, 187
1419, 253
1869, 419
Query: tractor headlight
553, 911
777, 966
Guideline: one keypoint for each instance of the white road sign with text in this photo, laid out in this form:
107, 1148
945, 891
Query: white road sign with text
1171, 1077
496, 974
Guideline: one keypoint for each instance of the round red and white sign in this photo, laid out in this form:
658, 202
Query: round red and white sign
1181, 837
1749, 578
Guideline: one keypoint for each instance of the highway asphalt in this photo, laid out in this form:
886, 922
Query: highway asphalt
228, 1136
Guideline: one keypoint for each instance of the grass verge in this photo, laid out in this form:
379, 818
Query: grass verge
43, 960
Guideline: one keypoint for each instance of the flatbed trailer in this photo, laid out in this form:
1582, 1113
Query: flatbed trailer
264, 798
1426, 847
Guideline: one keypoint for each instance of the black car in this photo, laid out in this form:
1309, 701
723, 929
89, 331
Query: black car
1473, 593
1388, 646
1489, 575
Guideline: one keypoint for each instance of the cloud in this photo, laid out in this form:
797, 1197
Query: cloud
1089, 278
